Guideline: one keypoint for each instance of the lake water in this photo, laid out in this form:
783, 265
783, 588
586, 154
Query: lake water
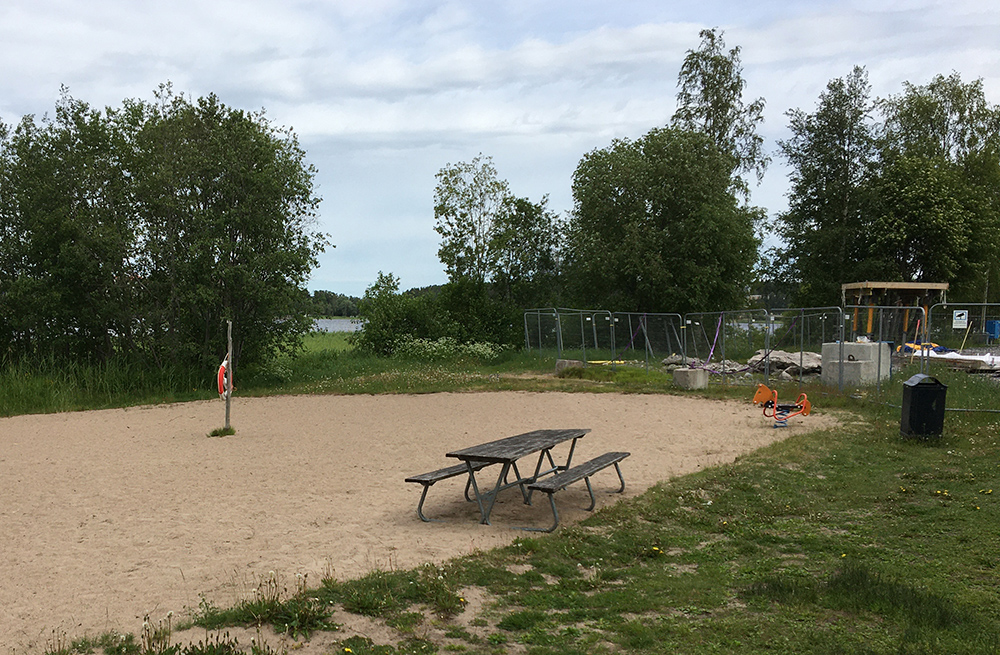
337, 325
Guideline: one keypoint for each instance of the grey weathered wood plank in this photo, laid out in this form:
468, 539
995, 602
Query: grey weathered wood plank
431, 477
560, 481
513, 448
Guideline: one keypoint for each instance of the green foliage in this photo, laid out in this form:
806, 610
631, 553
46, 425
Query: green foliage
491, 239
391, 316
67, 235
464, 311
911, 198
831, 153
469, 200
710, 100
135, 232
656, 227
328, 304
528, 241
941, 160
924, 222
476, 314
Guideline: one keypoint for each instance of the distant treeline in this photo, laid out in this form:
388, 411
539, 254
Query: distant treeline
327, 304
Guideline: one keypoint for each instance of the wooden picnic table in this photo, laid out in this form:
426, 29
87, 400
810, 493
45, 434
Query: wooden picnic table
507, 452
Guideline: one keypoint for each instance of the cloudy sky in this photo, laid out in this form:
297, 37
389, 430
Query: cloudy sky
383, 93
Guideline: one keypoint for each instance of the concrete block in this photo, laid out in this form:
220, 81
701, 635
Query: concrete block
691, 378
864, 363
562, 364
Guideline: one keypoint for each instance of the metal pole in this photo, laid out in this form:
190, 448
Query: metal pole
229, 369
802, 344
559, 339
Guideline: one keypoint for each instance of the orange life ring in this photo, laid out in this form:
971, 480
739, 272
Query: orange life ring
222, 378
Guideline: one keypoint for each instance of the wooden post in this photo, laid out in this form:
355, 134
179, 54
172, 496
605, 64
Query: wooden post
229, 369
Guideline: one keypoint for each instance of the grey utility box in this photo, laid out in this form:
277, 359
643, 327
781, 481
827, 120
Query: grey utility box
923, 407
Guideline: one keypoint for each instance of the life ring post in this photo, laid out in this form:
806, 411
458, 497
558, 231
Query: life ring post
226, 373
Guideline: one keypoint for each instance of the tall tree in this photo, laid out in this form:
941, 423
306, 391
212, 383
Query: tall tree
922, 223
69, 235
831, 153
944, 118
940, 159
470, 200
656, 227
228, 204
527, 246
137, 231
491, 240
711, 100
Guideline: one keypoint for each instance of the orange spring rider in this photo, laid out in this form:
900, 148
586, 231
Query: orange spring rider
768, 398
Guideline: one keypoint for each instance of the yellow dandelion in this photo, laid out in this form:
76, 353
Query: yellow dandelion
842, 555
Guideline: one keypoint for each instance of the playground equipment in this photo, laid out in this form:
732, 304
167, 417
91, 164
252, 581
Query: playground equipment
768, 398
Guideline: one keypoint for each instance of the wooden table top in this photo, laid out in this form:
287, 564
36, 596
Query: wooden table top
511, 449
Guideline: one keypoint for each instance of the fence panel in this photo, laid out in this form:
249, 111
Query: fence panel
893, 325
961, 326
586, 334
541, 330
712, 338
648, 337
717, 336
802, 330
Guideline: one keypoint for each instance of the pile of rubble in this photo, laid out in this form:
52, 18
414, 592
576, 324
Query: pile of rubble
784, 365
725, 366
789, 366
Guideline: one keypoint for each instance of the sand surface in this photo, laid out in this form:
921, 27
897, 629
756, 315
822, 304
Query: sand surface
107, 516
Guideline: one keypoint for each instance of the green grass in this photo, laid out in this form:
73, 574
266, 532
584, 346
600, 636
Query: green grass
49, 387
852, 540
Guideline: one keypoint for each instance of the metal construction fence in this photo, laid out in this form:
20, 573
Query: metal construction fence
964, 325
891, 325
600, 335
867, 344
726, 341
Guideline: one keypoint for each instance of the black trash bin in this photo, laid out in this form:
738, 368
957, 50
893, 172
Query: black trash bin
923, 407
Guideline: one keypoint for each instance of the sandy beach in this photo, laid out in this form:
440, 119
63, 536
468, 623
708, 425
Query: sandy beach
110, 515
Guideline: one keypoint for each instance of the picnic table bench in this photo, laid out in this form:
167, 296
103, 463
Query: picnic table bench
507, 452
560, 481
428, 480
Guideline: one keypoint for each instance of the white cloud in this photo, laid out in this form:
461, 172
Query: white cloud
385, 92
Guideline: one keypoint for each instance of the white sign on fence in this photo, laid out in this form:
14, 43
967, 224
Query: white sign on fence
960, 319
